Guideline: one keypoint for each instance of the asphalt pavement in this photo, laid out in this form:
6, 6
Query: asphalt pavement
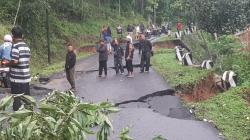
147, 103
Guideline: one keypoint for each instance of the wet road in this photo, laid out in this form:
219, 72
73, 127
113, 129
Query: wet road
148, 106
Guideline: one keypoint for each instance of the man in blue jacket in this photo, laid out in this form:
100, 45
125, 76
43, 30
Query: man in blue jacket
5, 48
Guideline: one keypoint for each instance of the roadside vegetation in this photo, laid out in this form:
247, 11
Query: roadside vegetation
80, 21
55, 67
61, 115
230, 110
174, 72
74, 21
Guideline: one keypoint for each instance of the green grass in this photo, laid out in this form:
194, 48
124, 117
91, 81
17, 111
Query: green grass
3, 31
230, 112
55, 67
165, 63
92, 27
164, 38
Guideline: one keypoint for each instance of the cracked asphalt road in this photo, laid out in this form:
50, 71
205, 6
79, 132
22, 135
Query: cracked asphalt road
156, 115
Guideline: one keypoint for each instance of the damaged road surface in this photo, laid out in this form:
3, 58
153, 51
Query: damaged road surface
147, 104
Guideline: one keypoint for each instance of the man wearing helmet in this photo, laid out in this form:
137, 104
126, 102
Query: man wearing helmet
5, 49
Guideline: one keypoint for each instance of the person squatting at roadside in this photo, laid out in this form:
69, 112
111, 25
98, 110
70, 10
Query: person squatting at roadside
19, 67
5, 50
103, 58
70, 66
129, 54
146, 47
118, 55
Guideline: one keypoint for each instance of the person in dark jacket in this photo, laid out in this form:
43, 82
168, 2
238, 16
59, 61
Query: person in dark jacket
129, 54
109, 32
118, 55
103, 58
146, 47
130, 29
70, 66
119, 30
142, 28
103, 32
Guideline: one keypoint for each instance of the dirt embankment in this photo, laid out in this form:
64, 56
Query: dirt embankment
170, 44
87, 49
202, 90
248, 97
245, 38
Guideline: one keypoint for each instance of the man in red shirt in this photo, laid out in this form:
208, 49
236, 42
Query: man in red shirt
179, 26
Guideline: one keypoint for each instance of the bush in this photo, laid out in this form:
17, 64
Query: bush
227, 53
58, 116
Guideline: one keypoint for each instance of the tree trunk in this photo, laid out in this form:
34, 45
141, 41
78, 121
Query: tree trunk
154, 15
18, 8
99, 3
142, 7
119, 7
82, 10
48, 37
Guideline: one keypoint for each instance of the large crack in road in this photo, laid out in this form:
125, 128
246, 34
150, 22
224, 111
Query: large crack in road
163, 102
148, 106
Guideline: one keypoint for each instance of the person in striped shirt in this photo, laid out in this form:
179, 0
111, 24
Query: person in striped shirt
19, 67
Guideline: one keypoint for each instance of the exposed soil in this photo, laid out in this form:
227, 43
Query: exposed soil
248, 97
92, 48
245, 39
166, 44
90, 38
203, 90
88, 49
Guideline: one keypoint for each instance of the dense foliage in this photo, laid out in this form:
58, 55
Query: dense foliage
174, 72
228, 53
77, 21
229, 111
214, 16
58, 116
81, 20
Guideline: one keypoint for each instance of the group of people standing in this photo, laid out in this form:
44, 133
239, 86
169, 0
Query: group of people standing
107, 47
120, 53
15, 54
